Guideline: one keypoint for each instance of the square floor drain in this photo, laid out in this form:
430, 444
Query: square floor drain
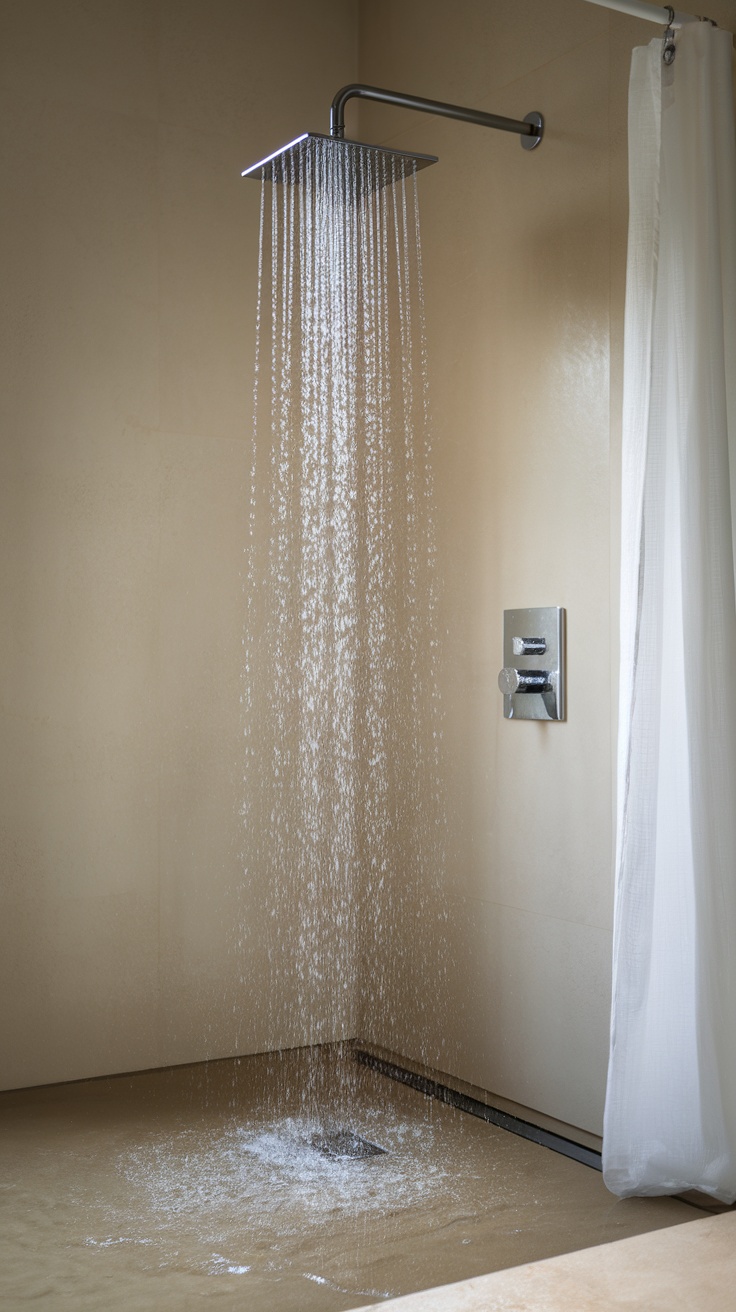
343, 1143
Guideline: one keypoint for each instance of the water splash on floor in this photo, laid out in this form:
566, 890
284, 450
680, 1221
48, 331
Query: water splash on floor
271, 1175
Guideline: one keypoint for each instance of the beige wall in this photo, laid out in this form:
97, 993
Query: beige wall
519, 273
525, 272
130, 257
128, 937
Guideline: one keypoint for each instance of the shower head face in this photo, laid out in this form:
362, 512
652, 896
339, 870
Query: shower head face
371, 167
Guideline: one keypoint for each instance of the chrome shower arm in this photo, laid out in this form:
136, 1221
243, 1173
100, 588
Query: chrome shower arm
530, 129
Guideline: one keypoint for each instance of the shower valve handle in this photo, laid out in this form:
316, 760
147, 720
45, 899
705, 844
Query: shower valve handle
511, 681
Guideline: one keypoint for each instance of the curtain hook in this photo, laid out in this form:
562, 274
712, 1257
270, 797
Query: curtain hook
669, 50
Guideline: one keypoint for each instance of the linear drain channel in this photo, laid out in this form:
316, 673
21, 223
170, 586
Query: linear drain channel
464, 1103
343, 1143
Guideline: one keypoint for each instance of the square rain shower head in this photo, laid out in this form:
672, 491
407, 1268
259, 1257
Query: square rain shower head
289, 164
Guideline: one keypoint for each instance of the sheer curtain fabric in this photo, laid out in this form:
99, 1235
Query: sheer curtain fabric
670, 1121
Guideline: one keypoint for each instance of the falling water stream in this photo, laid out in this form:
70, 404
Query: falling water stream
342, 777
221, 1170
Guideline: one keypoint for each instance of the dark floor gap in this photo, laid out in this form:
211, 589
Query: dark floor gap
345, 1143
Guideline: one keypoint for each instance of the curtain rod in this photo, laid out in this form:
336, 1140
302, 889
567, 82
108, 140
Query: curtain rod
653, 13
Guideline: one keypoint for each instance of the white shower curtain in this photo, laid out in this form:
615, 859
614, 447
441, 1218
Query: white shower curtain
670, 1122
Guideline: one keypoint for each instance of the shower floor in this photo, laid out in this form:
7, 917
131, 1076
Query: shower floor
163, 1189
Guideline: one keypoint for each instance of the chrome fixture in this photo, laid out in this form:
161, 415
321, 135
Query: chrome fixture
669, 49
530, 129
651, 13
285, 164
536, 692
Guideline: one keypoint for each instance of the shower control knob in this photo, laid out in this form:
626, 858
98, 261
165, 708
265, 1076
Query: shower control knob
511, 681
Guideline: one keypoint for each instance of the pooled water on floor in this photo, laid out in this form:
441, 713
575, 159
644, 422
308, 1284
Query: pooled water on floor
159, 1190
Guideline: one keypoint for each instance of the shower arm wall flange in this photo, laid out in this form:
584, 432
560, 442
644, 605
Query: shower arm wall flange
530, 129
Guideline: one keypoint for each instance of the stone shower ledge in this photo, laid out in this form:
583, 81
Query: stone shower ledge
678, 1269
